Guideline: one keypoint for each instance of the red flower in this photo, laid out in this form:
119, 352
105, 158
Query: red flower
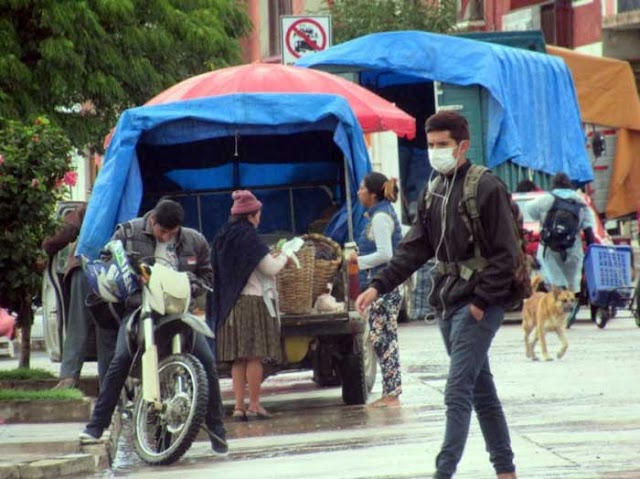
70, 178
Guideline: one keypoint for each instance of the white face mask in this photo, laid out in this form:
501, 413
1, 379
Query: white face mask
442, 159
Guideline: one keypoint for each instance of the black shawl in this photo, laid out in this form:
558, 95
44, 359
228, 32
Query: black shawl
236, 251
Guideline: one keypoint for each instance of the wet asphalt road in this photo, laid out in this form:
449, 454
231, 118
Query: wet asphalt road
577, 418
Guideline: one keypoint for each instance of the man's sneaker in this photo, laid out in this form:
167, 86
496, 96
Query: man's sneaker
218, 443
90, 435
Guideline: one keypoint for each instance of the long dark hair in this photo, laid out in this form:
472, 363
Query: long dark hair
383, 187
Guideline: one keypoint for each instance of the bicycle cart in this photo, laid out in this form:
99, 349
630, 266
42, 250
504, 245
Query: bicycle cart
609, 284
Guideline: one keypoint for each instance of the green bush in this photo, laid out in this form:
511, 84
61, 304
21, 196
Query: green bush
35, 172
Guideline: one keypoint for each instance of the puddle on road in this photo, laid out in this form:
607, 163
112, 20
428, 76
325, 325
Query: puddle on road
298, 407
291, 418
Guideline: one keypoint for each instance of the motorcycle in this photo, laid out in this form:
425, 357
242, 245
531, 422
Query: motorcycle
166, 395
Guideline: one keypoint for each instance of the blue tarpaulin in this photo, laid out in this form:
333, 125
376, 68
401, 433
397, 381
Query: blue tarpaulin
533, 114
223, 143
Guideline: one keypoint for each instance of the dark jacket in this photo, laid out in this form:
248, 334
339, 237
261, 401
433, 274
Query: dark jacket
192, 249
72, 222
237, 250
489, 287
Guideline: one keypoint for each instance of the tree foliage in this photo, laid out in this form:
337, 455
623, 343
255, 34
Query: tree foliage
56, 55
354, 18
35, 172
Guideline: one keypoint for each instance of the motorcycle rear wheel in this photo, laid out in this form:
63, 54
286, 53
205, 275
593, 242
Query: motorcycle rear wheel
162, 437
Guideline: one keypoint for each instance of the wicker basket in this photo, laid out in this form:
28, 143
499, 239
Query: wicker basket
325, 269
295, 284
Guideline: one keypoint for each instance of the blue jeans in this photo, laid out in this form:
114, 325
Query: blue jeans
119, 370
470, 384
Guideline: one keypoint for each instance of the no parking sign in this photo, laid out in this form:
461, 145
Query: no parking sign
303, 35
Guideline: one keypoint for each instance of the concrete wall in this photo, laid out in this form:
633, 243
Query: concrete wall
622, 44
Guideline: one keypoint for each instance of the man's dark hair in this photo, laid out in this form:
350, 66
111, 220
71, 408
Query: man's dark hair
168, 214
561, 180
450, 121
525, 186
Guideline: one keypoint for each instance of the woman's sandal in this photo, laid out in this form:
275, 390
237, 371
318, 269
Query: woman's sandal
258, 415
239, 415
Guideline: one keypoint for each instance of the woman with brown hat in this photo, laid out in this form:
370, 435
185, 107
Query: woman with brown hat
243, 301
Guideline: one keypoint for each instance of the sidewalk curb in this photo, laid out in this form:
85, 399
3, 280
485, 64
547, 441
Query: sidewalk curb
59, 466
55, 448
53, 459
27, 411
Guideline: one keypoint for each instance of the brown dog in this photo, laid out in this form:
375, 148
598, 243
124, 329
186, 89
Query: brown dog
546, 312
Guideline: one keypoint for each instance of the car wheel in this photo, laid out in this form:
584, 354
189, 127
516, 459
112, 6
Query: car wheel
357, 370
354, 382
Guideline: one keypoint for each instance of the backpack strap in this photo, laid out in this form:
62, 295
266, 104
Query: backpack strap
470, 215
470, 203
127, 227
431, 189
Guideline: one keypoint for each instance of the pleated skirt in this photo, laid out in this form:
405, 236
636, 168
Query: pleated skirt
249, 332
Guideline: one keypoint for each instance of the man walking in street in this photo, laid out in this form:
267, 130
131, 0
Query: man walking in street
160, 234
475, 280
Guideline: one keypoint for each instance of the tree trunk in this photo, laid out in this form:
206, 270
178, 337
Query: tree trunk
25, 318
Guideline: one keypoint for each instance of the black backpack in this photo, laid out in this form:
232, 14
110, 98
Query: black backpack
561, 225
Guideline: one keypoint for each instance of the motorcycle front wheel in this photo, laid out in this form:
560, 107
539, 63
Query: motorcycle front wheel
162, 436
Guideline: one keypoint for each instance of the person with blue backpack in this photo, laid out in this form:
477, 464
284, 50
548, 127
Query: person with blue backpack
376, 244
563, 214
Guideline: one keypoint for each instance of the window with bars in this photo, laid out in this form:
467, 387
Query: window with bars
628, 5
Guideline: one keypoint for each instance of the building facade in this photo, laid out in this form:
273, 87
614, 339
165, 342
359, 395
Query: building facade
599, 27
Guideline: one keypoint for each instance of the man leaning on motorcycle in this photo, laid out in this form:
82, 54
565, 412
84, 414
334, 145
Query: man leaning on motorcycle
159, 234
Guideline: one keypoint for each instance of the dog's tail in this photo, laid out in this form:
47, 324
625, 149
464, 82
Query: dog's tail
536, 281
